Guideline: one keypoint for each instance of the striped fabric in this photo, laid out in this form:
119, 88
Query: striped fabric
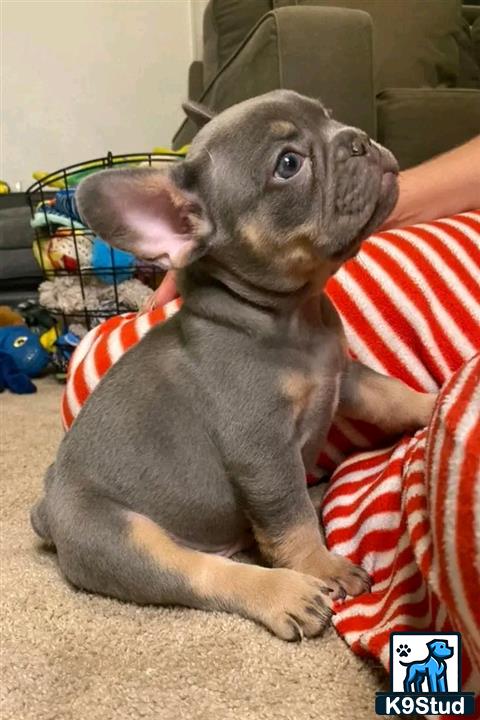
452, 464
408, 512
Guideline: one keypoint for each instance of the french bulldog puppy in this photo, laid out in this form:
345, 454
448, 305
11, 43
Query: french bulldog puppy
198, 439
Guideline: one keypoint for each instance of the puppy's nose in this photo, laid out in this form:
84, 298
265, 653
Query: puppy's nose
360, 145
353, 143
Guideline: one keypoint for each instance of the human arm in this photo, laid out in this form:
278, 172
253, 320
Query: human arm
445, 185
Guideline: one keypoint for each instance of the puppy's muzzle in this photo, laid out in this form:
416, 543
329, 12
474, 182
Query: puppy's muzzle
363, 189
353, 143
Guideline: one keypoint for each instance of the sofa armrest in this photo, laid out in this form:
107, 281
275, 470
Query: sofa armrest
408, 121
307, 49
195, 80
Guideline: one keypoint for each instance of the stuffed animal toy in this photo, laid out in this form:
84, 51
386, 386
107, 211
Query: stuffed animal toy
22, 356
58, 251
11, 378
25, 351
10, 317
63, 296
35, 316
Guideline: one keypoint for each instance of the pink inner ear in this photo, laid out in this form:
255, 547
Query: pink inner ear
158, 220
157, 240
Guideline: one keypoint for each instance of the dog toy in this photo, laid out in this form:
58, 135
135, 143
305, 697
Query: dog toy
59, 252
21, 357
64, 349
36, 317
63, 296
110, 264
64, 250
11, 378
165, 151
9, 317
48, 339
66, 205
25, 347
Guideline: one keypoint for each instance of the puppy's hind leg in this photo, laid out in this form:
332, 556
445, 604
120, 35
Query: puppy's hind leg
39, 513
106, 549
39, 521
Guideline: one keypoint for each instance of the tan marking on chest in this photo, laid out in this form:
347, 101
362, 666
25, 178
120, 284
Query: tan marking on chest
299, 389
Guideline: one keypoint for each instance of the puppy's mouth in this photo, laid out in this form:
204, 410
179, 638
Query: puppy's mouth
387, 198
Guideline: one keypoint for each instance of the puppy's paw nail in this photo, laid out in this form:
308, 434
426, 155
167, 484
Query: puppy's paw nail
341, 592
295, 624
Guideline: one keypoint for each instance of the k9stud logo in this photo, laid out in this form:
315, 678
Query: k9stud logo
425, 672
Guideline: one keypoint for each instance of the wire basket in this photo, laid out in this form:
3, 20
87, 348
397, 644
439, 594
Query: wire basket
89, 281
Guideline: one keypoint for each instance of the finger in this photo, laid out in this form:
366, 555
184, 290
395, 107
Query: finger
166, 291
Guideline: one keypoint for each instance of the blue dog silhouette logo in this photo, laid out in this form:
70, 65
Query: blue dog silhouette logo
425, 662
433, 668
425, 676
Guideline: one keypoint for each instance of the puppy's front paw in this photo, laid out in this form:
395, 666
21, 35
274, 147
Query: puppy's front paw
292, 605
344, 578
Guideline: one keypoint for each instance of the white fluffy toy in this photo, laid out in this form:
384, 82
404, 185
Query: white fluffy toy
63, 296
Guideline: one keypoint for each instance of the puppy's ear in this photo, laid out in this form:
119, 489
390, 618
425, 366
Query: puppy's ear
199, 114
147, 212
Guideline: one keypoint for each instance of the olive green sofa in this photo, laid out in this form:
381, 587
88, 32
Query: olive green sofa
406, 71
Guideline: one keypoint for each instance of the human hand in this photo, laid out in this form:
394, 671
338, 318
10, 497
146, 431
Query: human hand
166, 291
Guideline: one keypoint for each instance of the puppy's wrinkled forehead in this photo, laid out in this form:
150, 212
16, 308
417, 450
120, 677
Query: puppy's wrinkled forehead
282, 115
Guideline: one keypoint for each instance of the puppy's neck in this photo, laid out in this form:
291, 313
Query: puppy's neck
208, 274
218, 293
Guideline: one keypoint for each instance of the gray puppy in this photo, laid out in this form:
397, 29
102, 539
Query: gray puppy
198, 438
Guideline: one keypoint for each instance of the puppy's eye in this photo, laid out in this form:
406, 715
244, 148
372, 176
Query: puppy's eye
288, 165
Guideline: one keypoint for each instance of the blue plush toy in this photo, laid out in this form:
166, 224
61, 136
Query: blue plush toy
106, 258
21, 357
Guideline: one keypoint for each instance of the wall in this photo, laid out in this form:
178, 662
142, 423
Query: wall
197, 10
80, 78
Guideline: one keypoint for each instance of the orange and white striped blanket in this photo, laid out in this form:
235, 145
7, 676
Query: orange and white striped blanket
409, 512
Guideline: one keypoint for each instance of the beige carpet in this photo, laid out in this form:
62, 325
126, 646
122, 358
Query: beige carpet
67, 655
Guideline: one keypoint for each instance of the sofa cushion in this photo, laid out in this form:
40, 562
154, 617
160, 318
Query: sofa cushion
475, 30
415, 40
469, 70
408, 121
225, 25
18, 264
296, 48
15, 228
